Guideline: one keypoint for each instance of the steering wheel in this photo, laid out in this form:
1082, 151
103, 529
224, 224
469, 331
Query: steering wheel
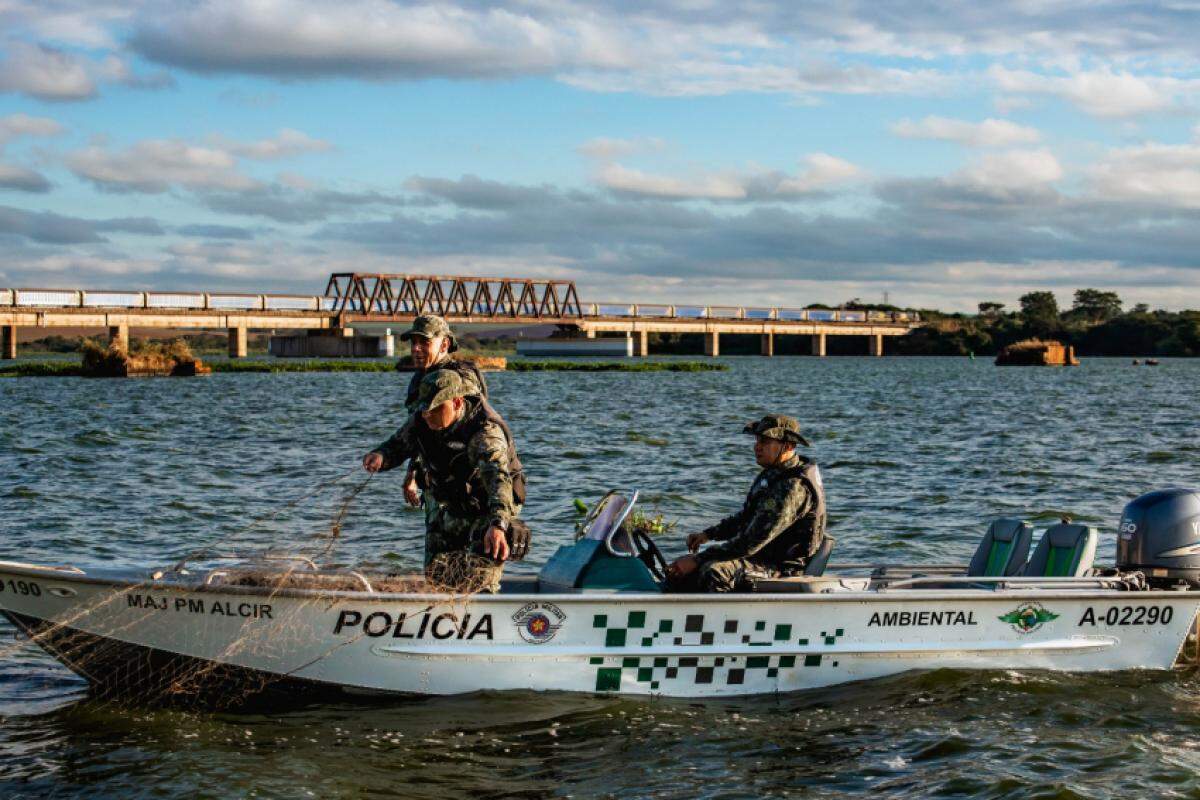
650, 555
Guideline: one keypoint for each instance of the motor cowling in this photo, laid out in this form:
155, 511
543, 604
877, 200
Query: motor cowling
1159, 536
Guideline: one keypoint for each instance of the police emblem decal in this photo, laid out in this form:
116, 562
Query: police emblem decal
1028, 617
538, 622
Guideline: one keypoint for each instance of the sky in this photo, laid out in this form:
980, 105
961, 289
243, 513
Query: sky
695, 151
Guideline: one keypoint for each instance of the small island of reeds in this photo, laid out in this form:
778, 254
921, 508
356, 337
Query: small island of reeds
1037, 353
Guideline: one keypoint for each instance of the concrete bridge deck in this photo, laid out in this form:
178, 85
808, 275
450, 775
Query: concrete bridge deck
355, 300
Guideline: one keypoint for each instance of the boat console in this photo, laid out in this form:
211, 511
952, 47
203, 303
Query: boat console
608, 554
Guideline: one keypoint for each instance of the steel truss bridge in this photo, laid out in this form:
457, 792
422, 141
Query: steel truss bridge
352, 299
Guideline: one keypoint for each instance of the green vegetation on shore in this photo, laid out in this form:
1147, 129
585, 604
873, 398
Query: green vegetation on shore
304, 365
41, 369
1096, 325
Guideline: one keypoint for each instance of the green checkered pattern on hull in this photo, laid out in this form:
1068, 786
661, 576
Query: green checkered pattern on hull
728, 670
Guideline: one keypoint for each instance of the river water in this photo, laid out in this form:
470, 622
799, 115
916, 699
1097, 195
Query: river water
917, 455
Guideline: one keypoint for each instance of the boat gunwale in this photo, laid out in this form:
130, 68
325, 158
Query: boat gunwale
69, 576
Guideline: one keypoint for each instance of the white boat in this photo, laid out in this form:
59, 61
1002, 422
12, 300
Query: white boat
596, 620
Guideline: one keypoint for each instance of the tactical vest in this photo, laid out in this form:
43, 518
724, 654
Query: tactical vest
807, 532
465, 369
449, 474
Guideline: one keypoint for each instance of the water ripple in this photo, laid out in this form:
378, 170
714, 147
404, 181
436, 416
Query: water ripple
918, 455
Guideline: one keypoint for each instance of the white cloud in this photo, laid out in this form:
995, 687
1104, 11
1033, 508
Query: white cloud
1102, 92
1014, 169
823, 171
22, 179
88, 23
370, 38
156, 165
73, 266
15, 125
49, 73
1006, 104
714, 74
659, 50
989, 133
113, 69
287, 143
1155, 174
15, 177
45, 73
699, 187
605, 149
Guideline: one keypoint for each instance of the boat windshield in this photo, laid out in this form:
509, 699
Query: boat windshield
603, 523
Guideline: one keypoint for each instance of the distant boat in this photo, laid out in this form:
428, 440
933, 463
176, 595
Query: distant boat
1151, 362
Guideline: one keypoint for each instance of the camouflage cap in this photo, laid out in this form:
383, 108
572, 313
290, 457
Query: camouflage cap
428, 326
441, 386
777, 426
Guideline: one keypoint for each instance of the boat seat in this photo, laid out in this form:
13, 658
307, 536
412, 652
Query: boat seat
810, 581
1065, 550
1003, 550
815, 567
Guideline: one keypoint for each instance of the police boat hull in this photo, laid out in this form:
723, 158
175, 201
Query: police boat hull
138, 634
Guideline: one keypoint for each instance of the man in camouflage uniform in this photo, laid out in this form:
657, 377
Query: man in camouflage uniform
780, 526
473, 476
432, 344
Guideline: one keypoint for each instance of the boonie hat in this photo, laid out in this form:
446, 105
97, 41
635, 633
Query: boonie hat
777, 426
439, 387
429, 326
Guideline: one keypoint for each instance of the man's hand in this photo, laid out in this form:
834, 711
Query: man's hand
373, 461
495, 544
694, 540
412, 494
682, 567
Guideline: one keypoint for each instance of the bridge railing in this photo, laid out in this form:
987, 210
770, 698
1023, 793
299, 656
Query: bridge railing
184, 301
756, 313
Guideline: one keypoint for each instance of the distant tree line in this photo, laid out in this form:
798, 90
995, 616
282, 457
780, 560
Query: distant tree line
1096, 324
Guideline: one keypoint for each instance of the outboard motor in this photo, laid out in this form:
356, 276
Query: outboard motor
1160, 537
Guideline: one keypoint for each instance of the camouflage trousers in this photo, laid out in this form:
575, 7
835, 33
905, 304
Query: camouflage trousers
449, 560
731, 575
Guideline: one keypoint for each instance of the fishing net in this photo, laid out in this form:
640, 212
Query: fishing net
253, 607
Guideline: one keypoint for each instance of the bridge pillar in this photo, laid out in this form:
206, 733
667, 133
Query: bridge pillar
818, 345
712, 344
641, 344
8, 342
876, 344
768, 344
237, 342
119, 335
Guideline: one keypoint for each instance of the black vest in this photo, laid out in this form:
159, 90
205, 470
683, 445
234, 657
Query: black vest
800, 541
449, 475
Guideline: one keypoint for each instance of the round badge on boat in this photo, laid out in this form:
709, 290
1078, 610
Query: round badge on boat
538, 622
